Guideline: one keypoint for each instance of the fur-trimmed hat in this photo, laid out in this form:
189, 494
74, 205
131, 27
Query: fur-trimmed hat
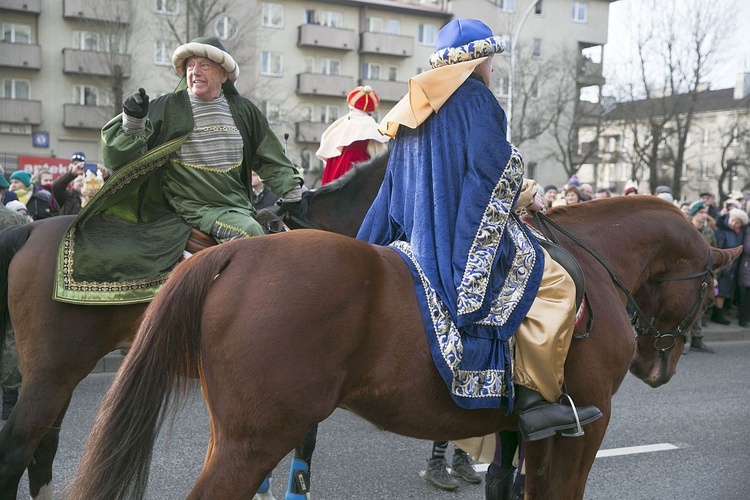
739, 214
630, 187
209, 47
463, 40
364, 99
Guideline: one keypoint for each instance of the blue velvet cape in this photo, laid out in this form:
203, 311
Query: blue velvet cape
446, 204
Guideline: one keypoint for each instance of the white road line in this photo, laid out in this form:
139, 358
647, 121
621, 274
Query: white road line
632, 450
614, 452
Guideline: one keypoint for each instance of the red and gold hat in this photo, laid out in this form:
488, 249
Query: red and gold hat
364, 99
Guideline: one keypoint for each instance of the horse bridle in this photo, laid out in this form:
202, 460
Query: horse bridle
650, 329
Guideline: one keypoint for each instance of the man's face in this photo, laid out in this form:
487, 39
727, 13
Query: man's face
601, 196
16, 185
550, 195
204, 78
256, 182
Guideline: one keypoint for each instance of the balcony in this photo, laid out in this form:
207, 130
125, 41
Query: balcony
324, 85
387, 90
315, 35
310, 131
88, 117
32, 6
385, 44
589, 73
20, 111
112, 11
95, 63
20, 55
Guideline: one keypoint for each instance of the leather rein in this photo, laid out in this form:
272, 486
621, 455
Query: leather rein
664, 340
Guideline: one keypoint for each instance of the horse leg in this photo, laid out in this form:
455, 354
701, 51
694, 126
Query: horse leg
40, 468
298, 486
558, 467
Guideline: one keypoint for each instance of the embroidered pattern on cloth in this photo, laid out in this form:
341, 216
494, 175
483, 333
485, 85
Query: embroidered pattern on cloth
70, 283
468, 52
497, 216
465, 383
225, 232
215, 139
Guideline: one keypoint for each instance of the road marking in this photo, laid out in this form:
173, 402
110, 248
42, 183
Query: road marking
614, 452
632, 450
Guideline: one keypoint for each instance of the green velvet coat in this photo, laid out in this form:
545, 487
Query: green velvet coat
124, 243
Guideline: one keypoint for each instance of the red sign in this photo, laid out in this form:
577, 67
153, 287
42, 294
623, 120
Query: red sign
33, 164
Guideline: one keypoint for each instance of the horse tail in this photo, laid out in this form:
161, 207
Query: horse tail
11, 240
151, 383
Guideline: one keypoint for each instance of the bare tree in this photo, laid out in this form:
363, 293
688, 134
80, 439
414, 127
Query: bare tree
678, 44
735, 151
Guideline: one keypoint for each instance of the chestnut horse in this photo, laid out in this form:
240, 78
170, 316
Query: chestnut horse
59, 344
352, 337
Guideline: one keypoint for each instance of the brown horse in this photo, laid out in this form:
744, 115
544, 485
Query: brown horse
352, 337
59, 344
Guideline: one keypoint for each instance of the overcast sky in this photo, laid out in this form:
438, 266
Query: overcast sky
738, 54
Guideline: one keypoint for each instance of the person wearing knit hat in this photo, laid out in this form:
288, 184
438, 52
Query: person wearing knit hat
696, 207
698, 216
550, 195
180, 162
354, 137
448, 202
731, 228
37, 201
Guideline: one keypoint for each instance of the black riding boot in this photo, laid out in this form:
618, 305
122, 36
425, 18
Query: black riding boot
539, 419
498, 487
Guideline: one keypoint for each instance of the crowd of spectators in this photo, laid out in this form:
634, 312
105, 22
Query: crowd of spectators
723, 225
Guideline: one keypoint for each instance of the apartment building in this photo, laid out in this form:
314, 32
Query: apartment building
716, 147
66, 65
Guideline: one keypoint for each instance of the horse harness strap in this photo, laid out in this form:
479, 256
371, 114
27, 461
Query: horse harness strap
638, 313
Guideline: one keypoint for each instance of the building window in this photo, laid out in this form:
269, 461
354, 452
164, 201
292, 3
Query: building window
86, 40
85, 95
392, 73
371, 71
272, 110
332, 19
271, 63
579, 11
507, 5
426, 34
310, 17
226, 28
706, 137
735, 136
171, 7
331, 67
502, 86
539, 8
16, 89
16, 33
329, 113
305, 112
310, 161
536, 91
507, 42
536, 48
163, 51
394, 27
703, 171
273, 15
115, 43
375, 24
308, 65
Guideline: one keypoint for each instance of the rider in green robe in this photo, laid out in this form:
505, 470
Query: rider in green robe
183, 162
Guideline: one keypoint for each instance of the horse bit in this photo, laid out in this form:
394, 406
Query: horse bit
659, 335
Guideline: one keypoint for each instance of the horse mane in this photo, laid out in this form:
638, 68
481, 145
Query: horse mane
361, 173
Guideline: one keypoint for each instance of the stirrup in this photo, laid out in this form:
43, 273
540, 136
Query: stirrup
578, 431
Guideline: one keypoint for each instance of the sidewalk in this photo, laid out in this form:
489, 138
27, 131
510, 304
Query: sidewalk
712, 332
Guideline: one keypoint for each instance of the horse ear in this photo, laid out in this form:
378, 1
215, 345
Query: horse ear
725, 256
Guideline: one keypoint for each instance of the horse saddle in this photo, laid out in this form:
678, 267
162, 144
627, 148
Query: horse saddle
268, 219
198, 240
570, 264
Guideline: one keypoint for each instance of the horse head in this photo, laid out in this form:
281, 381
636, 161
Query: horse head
675, 288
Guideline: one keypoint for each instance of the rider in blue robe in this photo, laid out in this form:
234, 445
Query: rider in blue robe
447, 204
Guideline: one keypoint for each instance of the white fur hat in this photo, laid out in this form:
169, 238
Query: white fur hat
209, 47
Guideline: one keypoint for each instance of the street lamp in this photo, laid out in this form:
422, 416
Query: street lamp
513, 43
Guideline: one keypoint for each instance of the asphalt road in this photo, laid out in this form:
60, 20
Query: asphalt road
699, 421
